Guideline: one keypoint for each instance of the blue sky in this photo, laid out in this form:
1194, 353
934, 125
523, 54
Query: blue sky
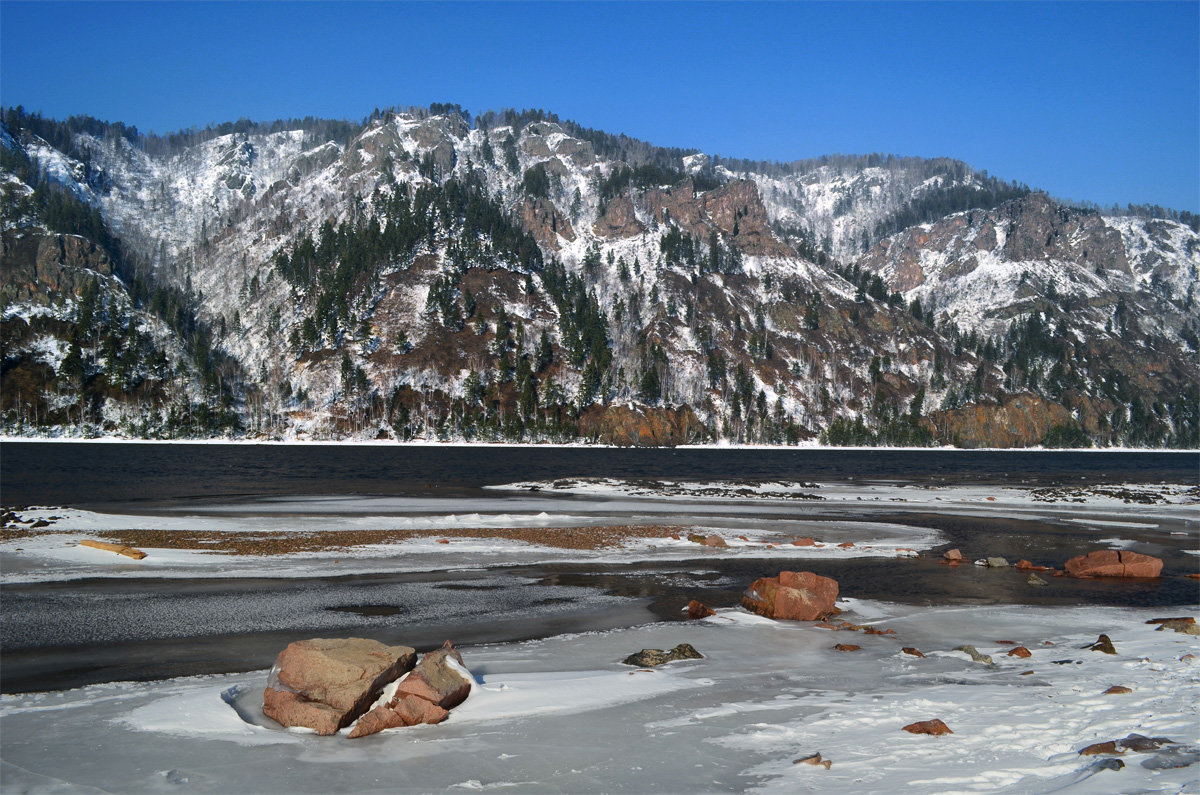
1097, 101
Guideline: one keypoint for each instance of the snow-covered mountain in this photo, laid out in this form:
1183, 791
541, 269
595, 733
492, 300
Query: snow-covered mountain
428, 274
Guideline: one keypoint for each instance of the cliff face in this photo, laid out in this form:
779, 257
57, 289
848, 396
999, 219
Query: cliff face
42, 268
1021, 421
642, 426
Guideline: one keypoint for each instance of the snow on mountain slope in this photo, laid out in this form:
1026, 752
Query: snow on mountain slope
706, 278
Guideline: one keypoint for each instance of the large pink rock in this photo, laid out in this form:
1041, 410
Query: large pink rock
1114, 563
794, 596
325, 684
437, 680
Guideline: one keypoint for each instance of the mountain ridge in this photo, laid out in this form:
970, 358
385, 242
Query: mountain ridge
768, 305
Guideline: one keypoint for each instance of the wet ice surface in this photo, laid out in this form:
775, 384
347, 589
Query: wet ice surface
562, 714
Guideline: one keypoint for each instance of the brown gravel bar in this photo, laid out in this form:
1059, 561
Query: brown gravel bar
284, 542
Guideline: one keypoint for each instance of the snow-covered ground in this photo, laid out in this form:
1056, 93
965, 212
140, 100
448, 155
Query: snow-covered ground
564, 715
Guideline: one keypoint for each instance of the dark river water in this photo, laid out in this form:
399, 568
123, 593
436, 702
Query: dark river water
57, 635
76, 474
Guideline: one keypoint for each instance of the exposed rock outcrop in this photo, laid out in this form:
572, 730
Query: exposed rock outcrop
650, 658
630, 426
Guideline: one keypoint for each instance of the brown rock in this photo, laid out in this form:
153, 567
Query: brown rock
952, 554
619, 220
1024, 565
699, 610
641, 426
1019, 651
912, 651
1192, 576
794, 596
845, 545
847, 647
289, 709
804, 542
408, 711
1117, 690
435, 680
1180, 619
1109, 747
813, 759
1114, 563
714, 541
1104, 644
934, 727
326, 683
1189, 627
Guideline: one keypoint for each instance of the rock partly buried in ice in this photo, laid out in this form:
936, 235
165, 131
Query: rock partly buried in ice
974, 654
1103, 643
952, 554
440, 678
439, 682
794, 596
696, 609
934, 727
1187, 626
649, 658
325, 684
1114, 563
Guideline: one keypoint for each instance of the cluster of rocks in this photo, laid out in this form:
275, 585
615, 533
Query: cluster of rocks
327, 684
1100, 563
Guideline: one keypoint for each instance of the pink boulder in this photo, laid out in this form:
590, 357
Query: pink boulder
1114, 563
793, 596
408, 711
952, 554
327, 683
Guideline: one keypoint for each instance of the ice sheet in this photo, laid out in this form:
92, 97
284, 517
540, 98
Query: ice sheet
563, 714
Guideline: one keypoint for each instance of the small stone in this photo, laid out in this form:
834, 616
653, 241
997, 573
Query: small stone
845, 545
649, 658
1020, 651
1025, 673
813, 759
914, 652
974, 654
997, 563
1109, 747
804, 542
1117, 690
1024, 565
952, 554
1104, 644
697, 609
1186, 626
847, 647
934, 727
1036, 581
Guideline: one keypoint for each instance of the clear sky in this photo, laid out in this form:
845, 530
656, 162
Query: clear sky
1097, 101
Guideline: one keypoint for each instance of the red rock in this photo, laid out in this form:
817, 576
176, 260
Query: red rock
1024, 565
845, 544
436, 681
699, 610
1109, 747
847, 647
804, 542
952, 554
912, 651
1192, 576
1020, 651
794, 596
991, 499
288, 709
742, 538
326, 683
1117, 690
935, 727
714, 541
1114, 563
443, 541
408, 711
